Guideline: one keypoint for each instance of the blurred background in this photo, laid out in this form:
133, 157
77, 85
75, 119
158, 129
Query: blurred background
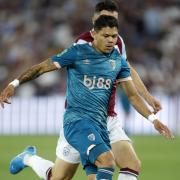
31, 31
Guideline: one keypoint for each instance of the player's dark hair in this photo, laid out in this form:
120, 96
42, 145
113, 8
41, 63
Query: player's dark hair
107, 5
105, 21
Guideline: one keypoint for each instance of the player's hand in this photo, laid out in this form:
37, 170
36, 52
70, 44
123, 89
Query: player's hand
155, 104
6, 94
163, 129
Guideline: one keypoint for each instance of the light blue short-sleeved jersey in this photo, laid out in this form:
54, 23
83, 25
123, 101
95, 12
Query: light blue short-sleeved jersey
90, 79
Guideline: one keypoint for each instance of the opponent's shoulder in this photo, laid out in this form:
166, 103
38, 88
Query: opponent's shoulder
84, 38
120, 39
81, 45
120, 43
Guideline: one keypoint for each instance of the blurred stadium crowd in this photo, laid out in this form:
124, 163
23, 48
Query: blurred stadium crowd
33, 30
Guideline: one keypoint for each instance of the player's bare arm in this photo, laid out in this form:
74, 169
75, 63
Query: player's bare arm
37, 70
142, 90
30, 74
133, 96
141, 107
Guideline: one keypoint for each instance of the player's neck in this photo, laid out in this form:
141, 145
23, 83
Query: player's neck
96, 48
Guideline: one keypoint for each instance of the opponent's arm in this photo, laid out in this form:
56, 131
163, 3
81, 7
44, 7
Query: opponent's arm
30, 74
140, 106
142, 90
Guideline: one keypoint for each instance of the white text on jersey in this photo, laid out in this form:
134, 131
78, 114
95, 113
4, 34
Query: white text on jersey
95, 82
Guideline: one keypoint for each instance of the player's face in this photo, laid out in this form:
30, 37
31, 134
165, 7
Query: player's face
104, 12
105, 39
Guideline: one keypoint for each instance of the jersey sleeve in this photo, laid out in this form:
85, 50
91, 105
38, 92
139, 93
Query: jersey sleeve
124, 74
66, 57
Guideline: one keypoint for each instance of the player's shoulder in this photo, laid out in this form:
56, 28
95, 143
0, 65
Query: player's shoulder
120, 44
120, 38
84, 38
81, 48
81, 45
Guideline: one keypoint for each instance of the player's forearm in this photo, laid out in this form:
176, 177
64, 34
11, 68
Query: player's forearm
30, 74
135, 99
36, 70
139, 105
142, 90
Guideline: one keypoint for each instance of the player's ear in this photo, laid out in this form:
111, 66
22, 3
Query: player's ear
93, 33
93, 19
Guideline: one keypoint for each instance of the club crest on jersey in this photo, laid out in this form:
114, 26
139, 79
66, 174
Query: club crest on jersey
113, 63
86, 61
91, 137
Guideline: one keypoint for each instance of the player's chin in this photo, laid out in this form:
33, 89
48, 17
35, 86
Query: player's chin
108, 49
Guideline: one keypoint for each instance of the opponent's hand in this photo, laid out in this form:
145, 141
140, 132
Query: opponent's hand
155, 104
6, 94
163, 129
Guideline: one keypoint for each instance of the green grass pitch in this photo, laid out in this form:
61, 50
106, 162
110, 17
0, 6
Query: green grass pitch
160, 157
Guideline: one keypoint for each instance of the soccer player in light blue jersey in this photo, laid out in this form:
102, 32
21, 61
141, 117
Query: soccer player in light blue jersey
92, 68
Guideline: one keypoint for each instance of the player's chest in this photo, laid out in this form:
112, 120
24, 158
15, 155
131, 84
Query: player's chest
105, 65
